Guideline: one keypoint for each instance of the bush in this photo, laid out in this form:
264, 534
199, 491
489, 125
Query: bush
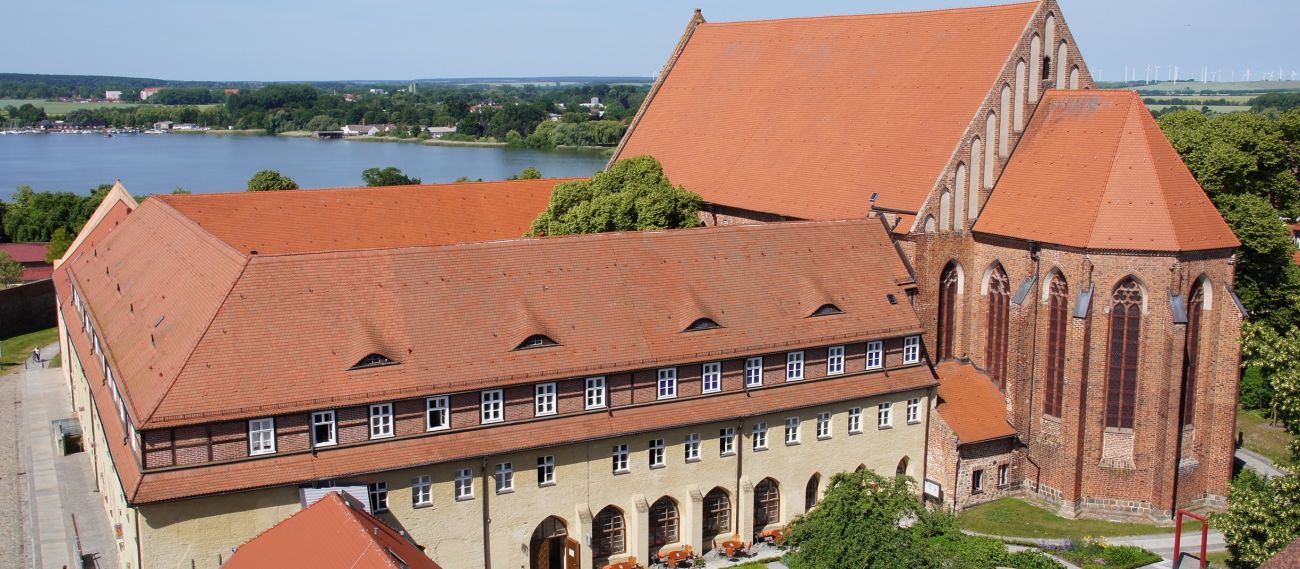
1032, 559
1096, 554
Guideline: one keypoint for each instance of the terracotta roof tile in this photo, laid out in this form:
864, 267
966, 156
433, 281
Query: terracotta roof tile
25, 252
971, 405
510, 437
330, 534
1097, 173
806, 117
368, 218
30, 274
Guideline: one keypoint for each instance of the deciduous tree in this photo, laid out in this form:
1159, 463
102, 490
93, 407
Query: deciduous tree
269, 180
58, 245
633, 194
10, 270
389, 176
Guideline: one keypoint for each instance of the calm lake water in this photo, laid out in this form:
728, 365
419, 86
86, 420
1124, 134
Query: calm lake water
153, 164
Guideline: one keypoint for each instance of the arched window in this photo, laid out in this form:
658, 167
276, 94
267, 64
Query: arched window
810, 492
546, 548
1062, 72
1049, 40
1020, 102
536, 341
902, 468
959, 186
930, 225
976, 174
607, 533
1122, 361
1074, 77
1035, 65
1057, 302
949, 282
995, 350
990, 134
1004, 112
1191, 351
767, 503
945, 212
663, 522
717, 514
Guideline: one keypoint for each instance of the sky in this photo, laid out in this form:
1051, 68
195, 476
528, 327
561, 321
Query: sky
289, 40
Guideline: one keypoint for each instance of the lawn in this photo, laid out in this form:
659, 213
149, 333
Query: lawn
18, 349
1262, 436
61, 108
1016, 518
1215, 108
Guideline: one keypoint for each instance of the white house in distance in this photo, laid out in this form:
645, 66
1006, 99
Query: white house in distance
112, 95
440, 131
366, 129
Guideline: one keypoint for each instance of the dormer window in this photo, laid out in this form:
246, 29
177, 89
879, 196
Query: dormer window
374, 360
536, 341
702, 324
827, 310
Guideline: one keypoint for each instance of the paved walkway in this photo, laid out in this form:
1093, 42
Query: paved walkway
1258, 463
59, 487
14, 549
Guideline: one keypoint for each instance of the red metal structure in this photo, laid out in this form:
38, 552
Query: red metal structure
1178, 536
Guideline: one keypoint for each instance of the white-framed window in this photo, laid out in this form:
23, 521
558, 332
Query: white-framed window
794, 366
545, 470
464, 484
323, 430
619, 458
505, 477
835, 360
914, 410
792, 435
885, 415
712, 377
754, 372
381, 420
875, 355
668, 383
1004, 472
656, 453
692, 447
823, 425
977, 481
491, 403
595, 393
760, 436
437, 414
911, 349
545, 399
855, 420
261, 436
135, 441
378, 496
727, 441
422, 490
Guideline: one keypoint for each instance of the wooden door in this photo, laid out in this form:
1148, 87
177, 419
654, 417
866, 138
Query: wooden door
571, 554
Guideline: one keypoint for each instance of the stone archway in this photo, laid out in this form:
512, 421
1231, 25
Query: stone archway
550, 546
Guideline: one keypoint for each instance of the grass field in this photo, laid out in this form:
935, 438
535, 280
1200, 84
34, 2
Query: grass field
1016, 518
1263, 437
1224, 87
1215, 108
62, 108
18, 348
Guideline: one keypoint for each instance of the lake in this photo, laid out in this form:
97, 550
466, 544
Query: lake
155, 164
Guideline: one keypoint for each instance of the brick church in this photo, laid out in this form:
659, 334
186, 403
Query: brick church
1074, 281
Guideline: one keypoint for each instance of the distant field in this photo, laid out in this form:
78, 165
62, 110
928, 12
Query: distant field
1215, 108
1230, 98
61, 108
1244, 86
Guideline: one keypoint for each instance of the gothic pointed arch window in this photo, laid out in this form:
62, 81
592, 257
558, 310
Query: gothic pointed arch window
976, 175
1062, 71
1035, 66
945, 212
949, 283
607, 535
1191, 351
991, 135
959, 188
999, 304
1123, 345
1058, 296
663, 522
767, 503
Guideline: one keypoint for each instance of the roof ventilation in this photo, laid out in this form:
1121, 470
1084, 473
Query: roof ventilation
373, 360
891, 298
827, 310
702, 324
536, 341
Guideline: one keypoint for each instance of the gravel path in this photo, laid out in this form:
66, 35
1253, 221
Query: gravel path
13, 484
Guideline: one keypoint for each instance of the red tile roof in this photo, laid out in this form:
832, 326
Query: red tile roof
330, 534
25, 252
1096, 172
1295, 257
806, 117
300, 221
30, 274
972, 406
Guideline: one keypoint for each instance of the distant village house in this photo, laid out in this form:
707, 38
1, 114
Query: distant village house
112, 95
367, 129
441, 131
32, 257
149, 92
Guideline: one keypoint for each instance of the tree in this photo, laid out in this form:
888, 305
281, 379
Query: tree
34, 216
1263, 517
58, 245
11, 271
633, 194
858, 524
530, 173
1268, 281
268, 180
389, 176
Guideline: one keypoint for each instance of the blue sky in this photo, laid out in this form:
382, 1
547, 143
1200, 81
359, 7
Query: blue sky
405, 39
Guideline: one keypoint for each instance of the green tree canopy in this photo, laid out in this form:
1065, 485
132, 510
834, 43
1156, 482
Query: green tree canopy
1263, 517
34, 216
859, 524
269, 180
1238, 153
11, 271
633, 194
58, 245
389, 176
